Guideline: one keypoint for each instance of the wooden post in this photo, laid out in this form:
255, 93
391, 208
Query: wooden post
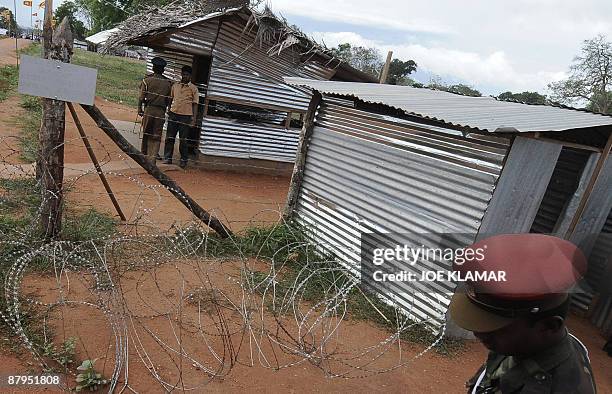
50, 160
385, 70
94, 160
300, 161
154, 171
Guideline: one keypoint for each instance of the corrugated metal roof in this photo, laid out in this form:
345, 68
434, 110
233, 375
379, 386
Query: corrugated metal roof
483, 113
101, 37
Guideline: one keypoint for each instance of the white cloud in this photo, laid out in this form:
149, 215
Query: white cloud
362, 13
492, 71
332, 39
515, 45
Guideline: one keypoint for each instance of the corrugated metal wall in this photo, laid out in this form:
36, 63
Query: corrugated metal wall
600, 255
231, 138
563, 184
175, 60
244, 72
599, 277
198, 39
366, 172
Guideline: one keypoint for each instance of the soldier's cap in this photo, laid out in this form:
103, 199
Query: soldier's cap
539, 270
158, 61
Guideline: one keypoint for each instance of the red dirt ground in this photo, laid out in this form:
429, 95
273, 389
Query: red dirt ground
7, 50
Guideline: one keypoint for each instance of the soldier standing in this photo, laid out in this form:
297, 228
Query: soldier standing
522, 320
182, 116
152, 103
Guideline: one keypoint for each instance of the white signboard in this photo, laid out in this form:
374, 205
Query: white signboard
56, 80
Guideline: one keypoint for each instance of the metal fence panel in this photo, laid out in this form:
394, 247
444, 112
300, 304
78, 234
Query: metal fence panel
366, 172
232, 138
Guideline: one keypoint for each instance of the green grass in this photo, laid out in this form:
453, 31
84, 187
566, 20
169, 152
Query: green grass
295, 260
9, 76
31, 50
118, 77
30, 126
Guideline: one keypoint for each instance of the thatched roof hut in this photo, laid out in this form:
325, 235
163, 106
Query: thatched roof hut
240, 55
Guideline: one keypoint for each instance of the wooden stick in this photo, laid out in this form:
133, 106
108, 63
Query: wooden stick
300, 161
95, 162
385, 70
155, 172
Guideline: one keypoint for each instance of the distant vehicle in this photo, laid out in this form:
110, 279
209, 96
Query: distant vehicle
3, 32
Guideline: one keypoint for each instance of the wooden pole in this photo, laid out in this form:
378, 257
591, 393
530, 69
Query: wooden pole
95, 162
154, 171
302, 151
385, 70
15, 30
50, 160
47, 28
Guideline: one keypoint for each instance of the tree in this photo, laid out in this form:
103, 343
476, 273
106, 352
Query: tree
524, 97
7, 20
369, 60
103, 15
365, 59
460, 88
399, 71
590, 77
70, 9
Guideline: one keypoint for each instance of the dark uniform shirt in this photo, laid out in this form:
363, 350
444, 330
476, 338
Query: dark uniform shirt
563, 368
155, 90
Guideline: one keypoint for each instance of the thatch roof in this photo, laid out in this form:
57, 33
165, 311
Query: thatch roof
154, 19
269, 27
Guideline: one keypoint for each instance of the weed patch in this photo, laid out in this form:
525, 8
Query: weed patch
30, 124
9, 77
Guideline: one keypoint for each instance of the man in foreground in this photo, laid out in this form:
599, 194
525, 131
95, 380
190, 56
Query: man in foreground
522, 320
152, 103
184, 100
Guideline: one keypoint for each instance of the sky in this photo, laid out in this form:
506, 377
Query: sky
492, 45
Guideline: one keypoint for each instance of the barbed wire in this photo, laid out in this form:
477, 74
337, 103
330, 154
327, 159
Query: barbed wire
174, 301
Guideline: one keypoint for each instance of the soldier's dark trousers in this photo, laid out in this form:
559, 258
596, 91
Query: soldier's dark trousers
152, 127
177, 124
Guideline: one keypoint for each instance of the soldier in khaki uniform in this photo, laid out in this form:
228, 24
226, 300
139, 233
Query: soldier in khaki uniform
522, 320
152, 103
182, 116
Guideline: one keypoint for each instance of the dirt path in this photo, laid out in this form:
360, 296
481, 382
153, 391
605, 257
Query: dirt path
159, 320
7, 50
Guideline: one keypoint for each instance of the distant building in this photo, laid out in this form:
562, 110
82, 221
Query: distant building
96, 41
